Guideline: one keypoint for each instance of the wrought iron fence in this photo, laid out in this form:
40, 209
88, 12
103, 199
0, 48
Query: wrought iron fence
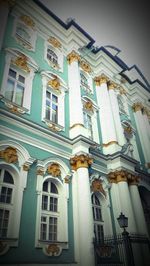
123, 250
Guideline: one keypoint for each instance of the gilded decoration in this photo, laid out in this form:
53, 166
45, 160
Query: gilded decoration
14, 109
40, 171
11, 3
88, 106
28, 21
26, 167
79, 161
122, 91
54, 42
21, 62
54, 127
52, 249
112, 85
67, 179
100, 80
85, 66
98, 187
123, 175
110, 143
9, 155
137, 106
54, 83
73, 56
54, 170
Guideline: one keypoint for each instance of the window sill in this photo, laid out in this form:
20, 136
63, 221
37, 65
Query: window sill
53, 126
6, 243
13, 107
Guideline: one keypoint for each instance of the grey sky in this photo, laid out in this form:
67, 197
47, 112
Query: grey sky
121, 23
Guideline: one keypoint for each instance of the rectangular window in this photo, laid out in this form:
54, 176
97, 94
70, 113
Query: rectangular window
51, 107
43, 228
4, 218
44, 202
88, 124
53, 204
15, 87
52, 228
99, 232
6, 194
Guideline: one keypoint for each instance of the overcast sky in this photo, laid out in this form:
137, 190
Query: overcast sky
122, 23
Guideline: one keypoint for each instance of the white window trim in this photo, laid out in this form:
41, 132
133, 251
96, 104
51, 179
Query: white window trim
94, 119
90, 82
61, 101
32, 33
12, 54
58, 52
20, 182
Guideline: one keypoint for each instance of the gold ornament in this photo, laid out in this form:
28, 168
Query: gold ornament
88, 106
54, 170
54, 83
21, 62
100, 80
73, 56
28, 21
54, 42
85, 66
137, 107
80, 161
98, 187
52, 249
9, 155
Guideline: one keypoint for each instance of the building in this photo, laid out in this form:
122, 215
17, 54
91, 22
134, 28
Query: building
75, 143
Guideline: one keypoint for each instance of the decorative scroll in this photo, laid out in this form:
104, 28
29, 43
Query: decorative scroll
9, 155
54, 170
21, 62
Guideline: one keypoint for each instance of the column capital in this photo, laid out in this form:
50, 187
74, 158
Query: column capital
137, 106
122, 91
100, 79
80, 161
73, 56
117, 176
112, 85
133, 179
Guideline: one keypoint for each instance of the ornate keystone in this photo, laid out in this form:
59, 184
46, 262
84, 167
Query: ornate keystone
100, 80
9, 155
54, 42
85, 66
28, 21
73, 56
54, 83
88, 106
112, 85
21, 62
98, 187
137, 106
54, 170
79, 161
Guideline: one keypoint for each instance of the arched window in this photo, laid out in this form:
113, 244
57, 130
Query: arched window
6, 204
49, 212
97, 217
51, 56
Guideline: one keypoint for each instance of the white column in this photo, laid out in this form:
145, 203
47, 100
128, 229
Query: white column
125, 200
116, 115
137, 206
85, 232
4, 9
109, 136
140, 122
75, 103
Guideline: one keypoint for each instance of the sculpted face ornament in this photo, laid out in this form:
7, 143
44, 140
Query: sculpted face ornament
54, 170
9, 155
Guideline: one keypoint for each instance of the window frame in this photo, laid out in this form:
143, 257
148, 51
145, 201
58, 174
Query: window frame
60, 57
98, 223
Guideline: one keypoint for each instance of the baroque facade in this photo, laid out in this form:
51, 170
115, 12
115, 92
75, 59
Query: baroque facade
75, 141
